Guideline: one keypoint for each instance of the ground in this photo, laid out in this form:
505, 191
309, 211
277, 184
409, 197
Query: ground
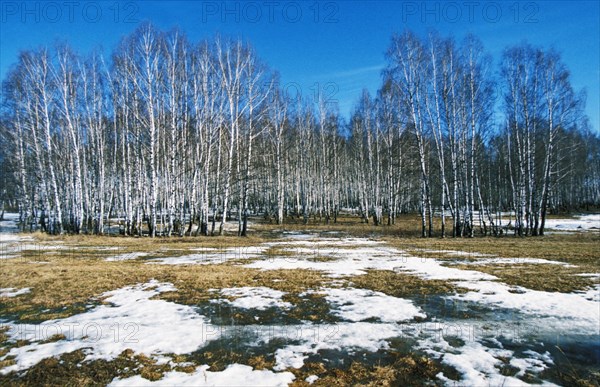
316, 304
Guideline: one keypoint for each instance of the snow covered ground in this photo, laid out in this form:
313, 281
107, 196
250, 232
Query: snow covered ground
578, 223
10, 242
361, 304
12, 292
503, 325
131, 319
259, 298
233, 375
8, 226
126, 256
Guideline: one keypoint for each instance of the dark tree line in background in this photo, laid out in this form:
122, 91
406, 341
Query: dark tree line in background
171, 137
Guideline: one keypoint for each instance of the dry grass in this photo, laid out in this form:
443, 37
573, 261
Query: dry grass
135, 243
279, 251
395, 369
70, 369
544, 277
579, 249
576, 248
193, 281
72, 277
64, 286
77, 275
402, 285
219, 357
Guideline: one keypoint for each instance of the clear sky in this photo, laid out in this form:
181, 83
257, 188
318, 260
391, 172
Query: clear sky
337, 46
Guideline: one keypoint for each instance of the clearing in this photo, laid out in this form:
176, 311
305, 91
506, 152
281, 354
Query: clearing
302, 305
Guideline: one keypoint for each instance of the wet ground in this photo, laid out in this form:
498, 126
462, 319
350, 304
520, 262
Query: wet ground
483, 333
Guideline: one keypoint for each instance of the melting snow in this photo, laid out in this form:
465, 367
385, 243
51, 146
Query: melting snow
480, 365
575, 311
368, 255
342, 336
156, 327
260, 298
132, 320
11, 292
581, 222
456, 253
233, 375
362, 304
126, 256
9, 224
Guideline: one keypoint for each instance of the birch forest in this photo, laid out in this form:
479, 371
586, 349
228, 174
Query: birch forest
169, 137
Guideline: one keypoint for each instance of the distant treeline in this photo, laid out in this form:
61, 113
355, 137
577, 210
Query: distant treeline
173, 137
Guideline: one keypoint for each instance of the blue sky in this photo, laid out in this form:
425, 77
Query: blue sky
335, 46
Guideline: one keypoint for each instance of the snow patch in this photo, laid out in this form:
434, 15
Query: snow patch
342, 336
131, 320
259, 298
126, 256
579, 223
362, 304
365, 255
578, 311
456, 253
233, 375
480, 366
11, 292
